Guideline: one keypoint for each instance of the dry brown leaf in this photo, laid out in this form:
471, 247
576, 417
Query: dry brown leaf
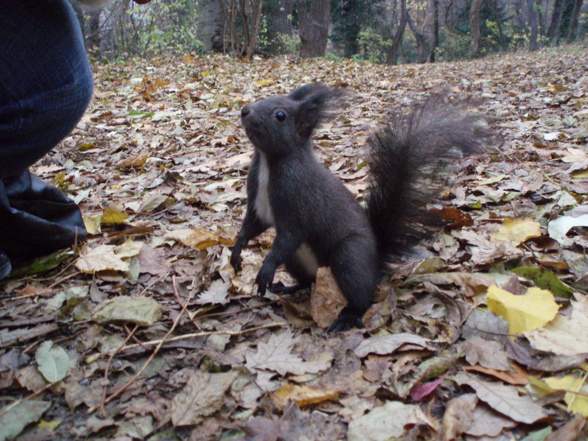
458, 416
517, 378
202, 396
487, 422
386, 345
326, 299
504, 399
276, 355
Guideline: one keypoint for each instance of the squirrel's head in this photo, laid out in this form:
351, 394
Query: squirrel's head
281, 125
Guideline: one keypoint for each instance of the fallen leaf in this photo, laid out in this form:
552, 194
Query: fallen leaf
561, 336
458, 416
389, 344
525, 312
576, 402
15, 420
113, 216
53, 361
326, 299
517, 231
302, 395
202, 396
487, 422
276, 355
101, 258
558, 228
143, 311
386, 422
504, 399
216, 293
570, 431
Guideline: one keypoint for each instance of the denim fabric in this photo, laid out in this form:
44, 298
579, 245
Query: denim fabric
45, 79
45, 87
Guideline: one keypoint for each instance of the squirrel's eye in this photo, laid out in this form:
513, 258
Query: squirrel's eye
280, 116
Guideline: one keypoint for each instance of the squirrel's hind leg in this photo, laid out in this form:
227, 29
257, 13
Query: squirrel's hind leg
355, 267
303, 266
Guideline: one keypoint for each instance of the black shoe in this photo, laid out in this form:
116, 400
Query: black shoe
5, 265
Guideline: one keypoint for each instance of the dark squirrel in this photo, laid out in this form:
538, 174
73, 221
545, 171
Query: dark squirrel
317, 219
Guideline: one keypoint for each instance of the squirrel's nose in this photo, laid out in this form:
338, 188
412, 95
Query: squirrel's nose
245, 111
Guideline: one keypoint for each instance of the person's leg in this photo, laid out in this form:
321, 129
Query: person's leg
45, 87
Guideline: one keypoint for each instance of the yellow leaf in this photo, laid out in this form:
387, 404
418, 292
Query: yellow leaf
523, 313
576, 403
113, 216
49, 425
517, 230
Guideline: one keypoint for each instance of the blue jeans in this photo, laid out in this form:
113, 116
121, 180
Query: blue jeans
45, 87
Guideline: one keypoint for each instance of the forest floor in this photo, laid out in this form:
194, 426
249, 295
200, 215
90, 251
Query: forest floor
145, 331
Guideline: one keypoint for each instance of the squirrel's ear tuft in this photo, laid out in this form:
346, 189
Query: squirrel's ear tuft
318, 103
306, 90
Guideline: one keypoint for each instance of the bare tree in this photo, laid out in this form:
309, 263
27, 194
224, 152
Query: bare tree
393, 54
533, 15
435, 30
313, 27
475, 10
422, 46
241, 25
574, 17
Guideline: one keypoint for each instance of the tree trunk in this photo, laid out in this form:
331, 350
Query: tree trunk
282, 20
553, 31
574, 17
475, 26
251, 20
93, 35
208, 24
422, 46
533, 24
393, 54
313, 26
435, 30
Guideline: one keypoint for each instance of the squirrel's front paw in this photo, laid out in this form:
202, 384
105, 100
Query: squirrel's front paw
264, 278
236, 261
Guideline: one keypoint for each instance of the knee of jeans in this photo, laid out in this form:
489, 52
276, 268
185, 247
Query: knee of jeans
63, 108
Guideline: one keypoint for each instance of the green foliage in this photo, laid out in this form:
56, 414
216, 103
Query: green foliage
495, 31
273, 42
349, 18
158, 28
373, 46
455, 46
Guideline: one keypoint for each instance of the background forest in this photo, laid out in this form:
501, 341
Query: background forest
382, 31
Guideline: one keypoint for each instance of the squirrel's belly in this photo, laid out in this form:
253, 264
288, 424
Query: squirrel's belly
262, 204
308, 259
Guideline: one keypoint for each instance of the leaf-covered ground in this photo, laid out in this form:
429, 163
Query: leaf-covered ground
145, 332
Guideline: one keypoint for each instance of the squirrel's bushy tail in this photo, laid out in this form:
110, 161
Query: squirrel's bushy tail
408, 159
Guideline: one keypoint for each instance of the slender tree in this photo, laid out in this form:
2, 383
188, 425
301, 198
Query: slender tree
533, 15
393, 54
475, 10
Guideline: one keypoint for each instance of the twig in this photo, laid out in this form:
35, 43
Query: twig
30, 397
44, 292
93, 358
577, 392
149, 360
107, 368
